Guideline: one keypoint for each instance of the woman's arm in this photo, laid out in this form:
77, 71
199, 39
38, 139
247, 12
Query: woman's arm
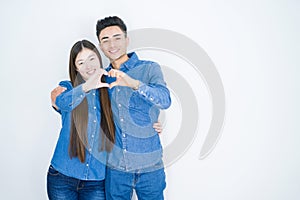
65, 97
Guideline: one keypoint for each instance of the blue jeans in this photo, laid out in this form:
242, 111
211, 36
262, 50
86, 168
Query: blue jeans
61, 187
119, 185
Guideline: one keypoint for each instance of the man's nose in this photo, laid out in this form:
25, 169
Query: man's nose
111, 44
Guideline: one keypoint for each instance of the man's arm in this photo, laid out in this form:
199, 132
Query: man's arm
155, 91
158, 127
54, 93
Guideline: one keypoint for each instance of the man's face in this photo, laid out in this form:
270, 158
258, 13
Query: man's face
113, 42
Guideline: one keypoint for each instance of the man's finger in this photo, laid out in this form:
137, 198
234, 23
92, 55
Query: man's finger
113, 84
112, 73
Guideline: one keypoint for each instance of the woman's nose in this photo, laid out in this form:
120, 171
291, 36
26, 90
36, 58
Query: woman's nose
87, 65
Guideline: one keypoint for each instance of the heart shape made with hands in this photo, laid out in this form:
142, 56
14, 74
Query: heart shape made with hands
122, 79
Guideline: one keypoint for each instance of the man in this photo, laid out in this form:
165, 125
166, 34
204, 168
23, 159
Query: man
137, 95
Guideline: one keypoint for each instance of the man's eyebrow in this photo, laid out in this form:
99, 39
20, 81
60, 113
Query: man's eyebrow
104, 38
116, 35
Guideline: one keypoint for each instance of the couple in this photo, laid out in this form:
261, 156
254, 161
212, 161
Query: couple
108, 144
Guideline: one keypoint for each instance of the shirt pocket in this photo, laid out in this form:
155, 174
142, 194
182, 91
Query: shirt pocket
139, 110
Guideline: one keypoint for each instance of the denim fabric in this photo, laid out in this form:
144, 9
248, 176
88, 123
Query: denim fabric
137, 143
119, 185
61, 187
93, 167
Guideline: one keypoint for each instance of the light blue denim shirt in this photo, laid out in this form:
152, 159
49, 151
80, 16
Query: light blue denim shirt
138, 145
93, 167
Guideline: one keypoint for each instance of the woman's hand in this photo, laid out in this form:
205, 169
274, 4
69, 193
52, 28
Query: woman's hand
94, 82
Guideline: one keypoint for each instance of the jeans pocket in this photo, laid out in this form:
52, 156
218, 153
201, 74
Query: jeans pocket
52, 171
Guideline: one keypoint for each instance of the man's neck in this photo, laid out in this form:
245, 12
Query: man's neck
118, 62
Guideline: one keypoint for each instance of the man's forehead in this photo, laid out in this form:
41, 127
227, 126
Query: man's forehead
111, 31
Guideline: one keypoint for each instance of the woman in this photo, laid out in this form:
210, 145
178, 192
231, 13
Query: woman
77, 169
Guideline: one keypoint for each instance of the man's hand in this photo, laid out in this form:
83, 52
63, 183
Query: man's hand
122, 79
54, 93
158, 127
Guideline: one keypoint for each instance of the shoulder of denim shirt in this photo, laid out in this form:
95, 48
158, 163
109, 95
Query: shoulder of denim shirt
134, 61
66, 83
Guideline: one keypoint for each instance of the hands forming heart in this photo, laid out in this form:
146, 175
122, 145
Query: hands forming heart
122, 79
94, 82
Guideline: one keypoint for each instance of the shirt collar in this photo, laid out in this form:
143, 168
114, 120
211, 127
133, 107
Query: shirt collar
129, 64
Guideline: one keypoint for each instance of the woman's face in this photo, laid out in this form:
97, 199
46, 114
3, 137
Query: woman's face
87, 63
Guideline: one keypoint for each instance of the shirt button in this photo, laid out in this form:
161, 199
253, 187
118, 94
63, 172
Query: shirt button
142, 92
94, 94
87, 165
151, 98
81, 95
92, 136
90, 150
118, 90
122, 119
119, 105
125, 150
95, 107
95, 121
124, 135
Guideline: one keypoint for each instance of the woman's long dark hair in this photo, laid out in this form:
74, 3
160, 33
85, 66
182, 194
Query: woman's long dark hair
79, 117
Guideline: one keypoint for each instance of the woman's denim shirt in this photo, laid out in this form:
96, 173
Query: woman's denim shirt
138, 145
93, 167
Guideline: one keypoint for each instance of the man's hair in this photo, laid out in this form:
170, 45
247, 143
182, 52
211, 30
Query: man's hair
110, 21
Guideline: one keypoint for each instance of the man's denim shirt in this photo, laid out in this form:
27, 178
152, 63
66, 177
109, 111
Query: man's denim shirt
138, 145
93, 167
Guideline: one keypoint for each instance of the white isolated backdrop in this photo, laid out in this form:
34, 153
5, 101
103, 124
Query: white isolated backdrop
254, 45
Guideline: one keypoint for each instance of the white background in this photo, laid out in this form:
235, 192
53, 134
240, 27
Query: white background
254, 45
